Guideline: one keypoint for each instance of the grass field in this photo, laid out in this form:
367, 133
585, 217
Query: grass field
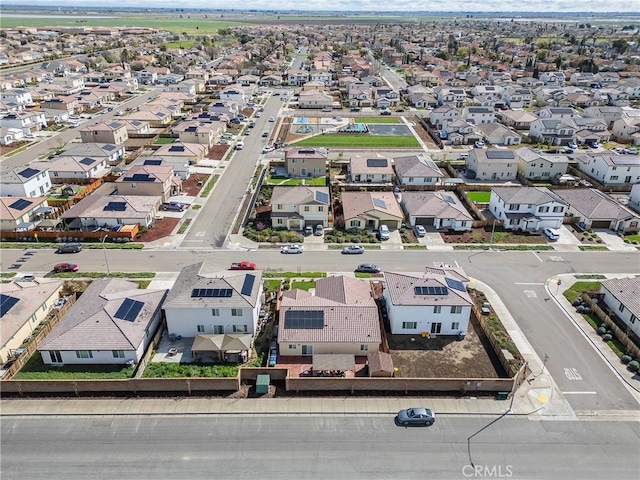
480, 197
387, 120
314, 181
191, 26
359, 141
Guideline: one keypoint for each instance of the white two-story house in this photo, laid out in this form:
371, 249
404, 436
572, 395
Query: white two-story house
610, 168
621, 296
529, 209
23, 181
296, 207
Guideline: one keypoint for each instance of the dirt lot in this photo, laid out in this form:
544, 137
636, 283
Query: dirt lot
443, 357
161, 229
217, 152
483, 235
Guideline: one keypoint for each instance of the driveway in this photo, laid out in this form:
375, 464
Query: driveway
613, 241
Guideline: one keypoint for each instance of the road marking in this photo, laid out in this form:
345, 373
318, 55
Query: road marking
579, 393
572, 374
531, 293
199, 234
536, 255
555, 258
522, 283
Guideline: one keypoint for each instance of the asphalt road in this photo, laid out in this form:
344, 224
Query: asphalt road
363, 447
210, 229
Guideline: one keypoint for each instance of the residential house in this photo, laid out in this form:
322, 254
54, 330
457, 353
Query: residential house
19, 98
553, 132
66, 168
622, 296
112, 322
537, 166
492, 164
432, 303
610, 168
634, 198
596, 209
204, 133
25, 304
179, 167
341, 317
497, 134
19, 214
305, 162
627, 129
23, 181
517, 97
556, 113
188, 152
441, 210
296, 207
450, 96
156, 115
297, 77
235, 94
315, 99
529, 209
111, 152
113, 132
517, 119
417, 170
478, 115
608, 114
136, 128
590, 130
552, 78
206, 299
28, 121
112, 211
369, 210
372, 169
8, 135
441, 116
149, 180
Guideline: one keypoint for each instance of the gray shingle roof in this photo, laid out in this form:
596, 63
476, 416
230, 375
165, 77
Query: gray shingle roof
626, 291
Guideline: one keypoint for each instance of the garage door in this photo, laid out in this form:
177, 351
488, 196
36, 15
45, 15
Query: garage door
425, 221
601, 224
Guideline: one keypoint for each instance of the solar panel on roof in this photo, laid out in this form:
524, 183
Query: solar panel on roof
140, 177
115, 207
378, 202
430, 290
129, 310
152, 162
87, 161
176, 148
28, 172
115, 124
20, 204
449, 199
247, 286
108, 147
305, 319
455, 284
6, 303
500, 154
377, 162
322, 197
211, 292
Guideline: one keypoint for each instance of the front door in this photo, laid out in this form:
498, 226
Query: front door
436, 327
307, 350
303, 172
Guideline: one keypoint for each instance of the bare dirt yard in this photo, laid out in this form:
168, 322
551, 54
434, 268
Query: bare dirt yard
444, 357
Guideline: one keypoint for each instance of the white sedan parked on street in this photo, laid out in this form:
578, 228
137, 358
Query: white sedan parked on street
292, 249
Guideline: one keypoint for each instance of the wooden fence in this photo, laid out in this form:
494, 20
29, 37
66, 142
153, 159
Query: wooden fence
611, 325
510, 367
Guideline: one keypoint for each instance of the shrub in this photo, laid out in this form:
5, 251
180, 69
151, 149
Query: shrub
634, 366
607, 337
625, 359
602, 329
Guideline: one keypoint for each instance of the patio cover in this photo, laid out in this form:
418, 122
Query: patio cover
335, 361
221, 343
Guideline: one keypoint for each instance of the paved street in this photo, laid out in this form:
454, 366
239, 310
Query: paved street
313, 447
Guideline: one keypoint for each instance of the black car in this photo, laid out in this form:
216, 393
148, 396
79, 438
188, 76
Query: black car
367, 268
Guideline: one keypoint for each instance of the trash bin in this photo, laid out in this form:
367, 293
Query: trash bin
262, 383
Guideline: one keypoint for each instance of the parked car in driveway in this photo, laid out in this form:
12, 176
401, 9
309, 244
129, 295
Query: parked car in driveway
368, 268
268, 148
383, 232
308, 230
173, 206
72, 247
551, 234
386, 112
416, 416
353, 250
319, 231
292, 249
65, 267
420, 231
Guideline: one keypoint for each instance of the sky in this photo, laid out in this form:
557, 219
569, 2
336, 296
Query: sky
365, 5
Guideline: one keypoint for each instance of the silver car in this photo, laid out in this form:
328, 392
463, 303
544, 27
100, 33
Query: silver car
292, 249
353, 250
416, 416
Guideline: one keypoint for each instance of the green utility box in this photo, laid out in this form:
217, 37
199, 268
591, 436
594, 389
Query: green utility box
262, 383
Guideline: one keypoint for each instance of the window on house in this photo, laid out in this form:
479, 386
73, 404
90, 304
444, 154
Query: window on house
437, 309
455, 325
409, 325
558, 209
320, 208
236, 312
292, 346
621, 308
240, 329
200, 328
614, 177
364, 348
633, 319
117, 353
456, 309
543, 209
56, 356
218, 329
354, 223
84, 354
514, 206
279, 221
215, 312
279, 206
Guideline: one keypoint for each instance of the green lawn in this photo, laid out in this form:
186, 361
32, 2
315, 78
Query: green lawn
577, 288
164, 141
304, 285
360, 141
633, 238
312, 182
387, 120
480, 197
183, 370
271, 285
35, 369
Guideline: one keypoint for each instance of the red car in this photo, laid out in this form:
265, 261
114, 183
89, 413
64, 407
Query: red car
244, 265
65, 267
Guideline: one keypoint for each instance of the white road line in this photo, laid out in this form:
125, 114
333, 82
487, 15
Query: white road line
579, 393
536, 255
523, 283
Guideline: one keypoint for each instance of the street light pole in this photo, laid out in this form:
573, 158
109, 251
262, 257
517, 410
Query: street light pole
104, 250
